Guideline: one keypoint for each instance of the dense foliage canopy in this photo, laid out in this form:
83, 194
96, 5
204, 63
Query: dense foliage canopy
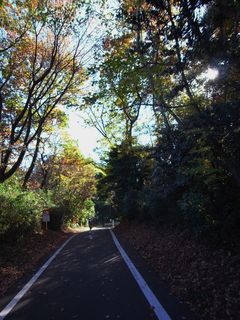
177, 61
164, 96
44, 46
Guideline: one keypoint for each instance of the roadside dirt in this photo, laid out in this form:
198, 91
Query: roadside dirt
18, 258
205, 278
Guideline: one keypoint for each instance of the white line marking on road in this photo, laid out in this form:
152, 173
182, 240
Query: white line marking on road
27, 286
149, 295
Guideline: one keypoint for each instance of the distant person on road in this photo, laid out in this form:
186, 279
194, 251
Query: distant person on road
90, 224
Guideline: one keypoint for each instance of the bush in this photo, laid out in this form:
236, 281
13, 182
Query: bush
20, 211
56, 218
133, 203
195, 210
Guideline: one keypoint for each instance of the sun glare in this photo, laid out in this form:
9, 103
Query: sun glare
211, 74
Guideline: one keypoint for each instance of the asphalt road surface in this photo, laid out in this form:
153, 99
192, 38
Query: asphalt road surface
89, 280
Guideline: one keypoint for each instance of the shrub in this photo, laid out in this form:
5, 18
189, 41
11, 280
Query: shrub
20, 211
56, 218
133, 203
195, 210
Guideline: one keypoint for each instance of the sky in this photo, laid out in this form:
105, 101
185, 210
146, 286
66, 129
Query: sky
85, 136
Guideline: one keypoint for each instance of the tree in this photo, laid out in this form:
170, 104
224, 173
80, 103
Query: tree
127, 172
164, 51
46, 145
169, 35
115, 107
41, 68
72, 182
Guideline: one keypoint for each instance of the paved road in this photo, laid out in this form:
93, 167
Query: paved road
88, 280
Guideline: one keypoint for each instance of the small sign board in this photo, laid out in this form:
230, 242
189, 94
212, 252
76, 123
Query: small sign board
46, 217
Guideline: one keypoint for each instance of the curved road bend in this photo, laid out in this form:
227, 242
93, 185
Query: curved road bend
88, 280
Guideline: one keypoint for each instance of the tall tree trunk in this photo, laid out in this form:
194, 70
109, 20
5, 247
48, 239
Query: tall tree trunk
30, 169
